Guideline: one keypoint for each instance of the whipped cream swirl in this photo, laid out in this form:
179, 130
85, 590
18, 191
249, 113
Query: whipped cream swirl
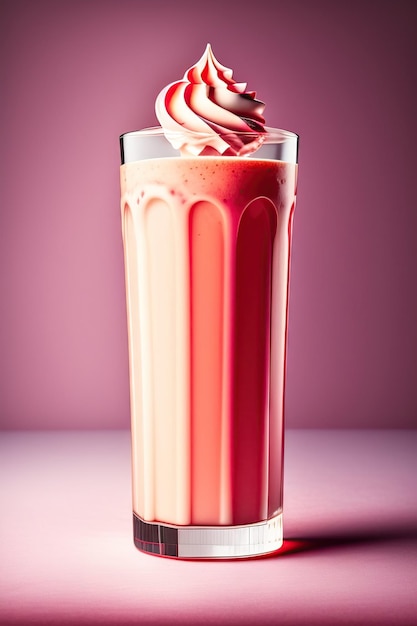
208, 113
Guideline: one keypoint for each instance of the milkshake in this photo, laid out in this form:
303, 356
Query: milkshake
207, 222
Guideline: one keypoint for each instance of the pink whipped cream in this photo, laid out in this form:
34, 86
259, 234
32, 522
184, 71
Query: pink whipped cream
209, 113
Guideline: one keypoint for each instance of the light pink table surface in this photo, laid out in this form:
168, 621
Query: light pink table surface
350, 555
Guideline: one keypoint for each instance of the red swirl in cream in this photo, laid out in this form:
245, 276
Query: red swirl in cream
207, 112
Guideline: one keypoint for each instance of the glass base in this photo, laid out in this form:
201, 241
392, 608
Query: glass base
208, 542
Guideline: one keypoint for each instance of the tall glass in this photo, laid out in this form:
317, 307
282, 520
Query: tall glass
207, 255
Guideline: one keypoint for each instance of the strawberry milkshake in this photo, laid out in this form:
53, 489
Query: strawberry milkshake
207, 207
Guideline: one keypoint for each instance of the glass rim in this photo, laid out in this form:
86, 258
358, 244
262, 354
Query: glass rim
270, 134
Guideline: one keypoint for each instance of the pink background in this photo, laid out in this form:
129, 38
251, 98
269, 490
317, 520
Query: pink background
77, 74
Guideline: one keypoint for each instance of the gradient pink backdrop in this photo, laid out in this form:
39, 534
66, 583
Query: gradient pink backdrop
76, 74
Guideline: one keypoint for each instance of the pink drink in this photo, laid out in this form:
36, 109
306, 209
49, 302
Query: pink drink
207, 249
